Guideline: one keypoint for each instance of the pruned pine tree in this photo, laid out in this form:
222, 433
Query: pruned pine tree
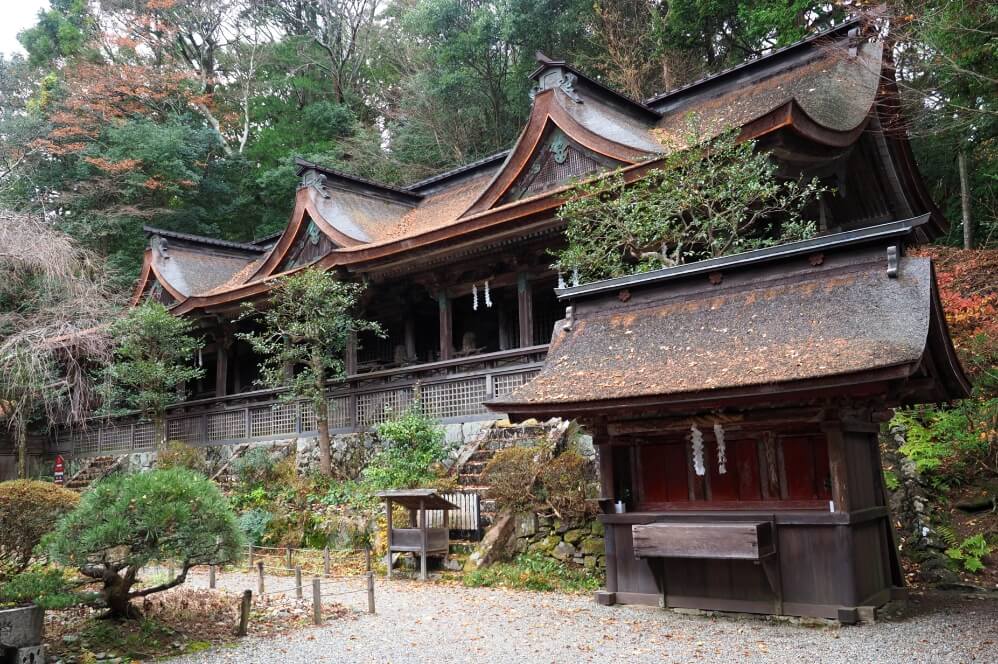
305, 328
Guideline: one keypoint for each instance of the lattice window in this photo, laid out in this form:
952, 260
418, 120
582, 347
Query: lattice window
86, 442
339, 412
185, 429
505, 384
308, 417
115, 439
454, 399
227, 426
377, 407
145, 436
273, 420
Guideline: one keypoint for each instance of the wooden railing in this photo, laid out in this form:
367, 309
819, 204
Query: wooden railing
450, 391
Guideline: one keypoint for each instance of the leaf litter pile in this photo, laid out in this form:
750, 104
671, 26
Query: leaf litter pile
178, 621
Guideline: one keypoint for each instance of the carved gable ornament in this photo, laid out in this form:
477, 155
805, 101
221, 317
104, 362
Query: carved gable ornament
558, 161
310, 245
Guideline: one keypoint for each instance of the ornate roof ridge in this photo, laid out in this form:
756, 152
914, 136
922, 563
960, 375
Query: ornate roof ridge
458, 170
204, 239
845, 26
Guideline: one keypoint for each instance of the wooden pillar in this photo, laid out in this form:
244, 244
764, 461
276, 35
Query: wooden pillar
446, 326
350, 361
410, 337
222, 345
525, 305
838, 466
503, 335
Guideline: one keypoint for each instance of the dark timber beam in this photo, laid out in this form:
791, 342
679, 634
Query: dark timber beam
446, 326
525, 304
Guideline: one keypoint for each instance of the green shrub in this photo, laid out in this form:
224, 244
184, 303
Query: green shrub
529, 479
47, 588
412, 455
970, 552
254, 524
178, 454
125, 522
28, 510
255, 467
534, 571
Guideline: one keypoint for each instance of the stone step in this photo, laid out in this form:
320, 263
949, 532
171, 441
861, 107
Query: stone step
467, 480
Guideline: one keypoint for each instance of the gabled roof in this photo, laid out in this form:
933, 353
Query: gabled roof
809, 317
186, 265
824, 89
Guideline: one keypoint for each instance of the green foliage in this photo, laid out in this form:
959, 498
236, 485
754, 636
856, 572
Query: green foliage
711, 198
414, 449
124, 522
970, 552
28, 510
254, 524
533, 571
256, 467
46, 587
178, 454
949, 444
61, 31
152, 362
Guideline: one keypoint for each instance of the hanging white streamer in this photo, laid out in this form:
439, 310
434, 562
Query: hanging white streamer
561, 280
696, 437
474, 297
575, 277
488, 295
722, 455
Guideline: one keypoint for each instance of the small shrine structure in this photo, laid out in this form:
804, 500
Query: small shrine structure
419, 539
736, 403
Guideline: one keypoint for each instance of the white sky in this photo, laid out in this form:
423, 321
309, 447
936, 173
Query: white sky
16, 15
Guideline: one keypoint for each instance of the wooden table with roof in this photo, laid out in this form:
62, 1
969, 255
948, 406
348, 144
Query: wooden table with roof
420, 540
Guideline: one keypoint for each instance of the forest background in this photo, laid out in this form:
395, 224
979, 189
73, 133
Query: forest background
187, 114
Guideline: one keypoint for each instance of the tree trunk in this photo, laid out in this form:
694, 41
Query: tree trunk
21, 433
322, 413
968, 226
115, 592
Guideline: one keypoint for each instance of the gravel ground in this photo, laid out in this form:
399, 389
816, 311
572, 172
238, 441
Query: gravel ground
419, 622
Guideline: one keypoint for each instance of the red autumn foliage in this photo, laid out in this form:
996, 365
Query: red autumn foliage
968, 290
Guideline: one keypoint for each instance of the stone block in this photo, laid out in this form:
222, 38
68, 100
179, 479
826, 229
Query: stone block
526, 525
29, 655
597, 528
21, 626
574, 535
563, 551
594, 546
589, 562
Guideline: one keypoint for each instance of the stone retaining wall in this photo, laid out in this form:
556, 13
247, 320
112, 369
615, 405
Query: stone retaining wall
575, 543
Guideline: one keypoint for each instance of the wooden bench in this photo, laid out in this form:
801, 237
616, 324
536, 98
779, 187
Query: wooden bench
735, 540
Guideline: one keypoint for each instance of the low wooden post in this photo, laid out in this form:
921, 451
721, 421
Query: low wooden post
367, 557
388, 556
288, 554
244, 611
370, 592
325, 561
316, 602
298, 591
422, 541
250, 568
259, 578
211, 576
170, 572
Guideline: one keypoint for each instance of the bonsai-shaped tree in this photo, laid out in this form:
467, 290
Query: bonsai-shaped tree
304, 331
126, 521
153, 360
54, 298
710, 197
